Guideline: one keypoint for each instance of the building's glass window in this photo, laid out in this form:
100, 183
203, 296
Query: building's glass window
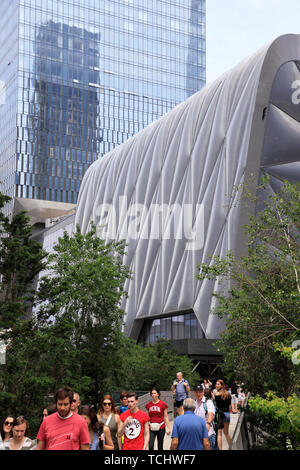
70, 64
175, 327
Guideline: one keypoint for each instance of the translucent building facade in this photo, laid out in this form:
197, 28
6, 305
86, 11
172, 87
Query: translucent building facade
169, 191
80, 78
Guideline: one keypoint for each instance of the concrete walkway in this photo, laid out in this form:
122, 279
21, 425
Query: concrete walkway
233, 421
232, 425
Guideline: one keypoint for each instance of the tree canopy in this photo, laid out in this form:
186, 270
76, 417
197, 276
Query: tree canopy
75, 334
21, 259
261, 309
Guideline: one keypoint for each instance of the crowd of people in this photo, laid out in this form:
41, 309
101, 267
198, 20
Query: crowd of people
212, 405
69, 425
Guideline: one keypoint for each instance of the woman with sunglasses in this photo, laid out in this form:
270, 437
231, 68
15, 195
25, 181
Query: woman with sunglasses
108, 416
20, 436
6, 430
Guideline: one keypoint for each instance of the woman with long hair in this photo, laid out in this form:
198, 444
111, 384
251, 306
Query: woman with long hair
6, 430
159, 421
96, 429
107, 415
20, 436
223, 403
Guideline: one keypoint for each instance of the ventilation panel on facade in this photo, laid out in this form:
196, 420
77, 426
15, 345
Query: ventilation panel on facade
282, 141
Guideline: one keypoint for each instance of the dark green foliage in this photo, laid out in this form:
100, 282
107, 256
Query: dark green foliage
21, 259
142, 367
275, 422
75, 336
84, 291
261, 309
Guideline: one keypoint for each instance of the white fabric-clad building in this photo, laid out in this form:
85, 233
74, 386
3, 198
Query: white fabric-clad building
169, 190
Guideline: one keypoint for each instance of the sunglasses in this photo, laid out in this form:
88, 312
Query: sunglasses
8, 423
74, 400
107, 403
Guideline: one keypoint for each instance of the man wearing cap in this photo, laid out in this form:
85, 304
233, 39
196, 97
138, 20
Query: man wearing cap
205, 408
181, 389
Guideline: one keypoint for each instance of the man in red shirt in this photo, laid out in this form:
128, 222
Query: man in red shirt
135, 425
63, 430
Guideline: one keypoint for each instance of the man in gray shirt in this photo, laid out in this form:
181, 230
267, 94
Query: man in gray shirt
181, 389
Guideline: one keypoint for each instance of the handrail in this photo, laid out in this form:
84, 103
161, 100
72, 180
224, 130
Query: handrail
166, 396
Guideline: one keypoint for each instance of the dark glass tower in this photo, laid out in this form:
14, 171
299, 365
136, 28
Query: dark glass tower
66, 133
82, 76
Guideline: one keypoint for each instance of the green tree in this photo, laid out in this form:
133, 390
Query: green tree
84, 291
261, 308
140, 367
39, 360
276, 421
21, 259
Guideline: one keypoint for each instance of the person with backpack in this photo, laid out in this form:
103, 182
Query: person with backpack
205, 408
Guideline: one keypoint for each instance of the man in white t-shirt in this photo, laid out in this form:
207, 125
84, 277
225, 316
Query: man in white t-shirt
205, 408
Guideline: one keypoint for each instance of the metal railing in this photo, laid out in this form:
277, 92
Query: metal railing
144, 397
166, 396
240, 438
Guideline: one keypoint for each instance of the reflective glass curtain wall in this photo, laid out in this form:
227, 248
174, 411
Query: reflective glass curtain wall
8, 95
88, 74
176, 327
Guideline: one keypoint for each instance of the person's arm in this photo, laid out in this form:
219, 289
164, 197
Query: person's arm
123, 426
173, 388
40, 445
146, 435
166, 420
206, 443
174, 443
210, 419
84, 447
210, 413
41, 437
84, 436
187, 387
230, 406
108, 443
119, 423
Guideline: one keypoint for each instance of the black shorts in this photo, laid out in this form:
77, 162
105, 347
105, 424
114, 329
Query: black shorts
178, 404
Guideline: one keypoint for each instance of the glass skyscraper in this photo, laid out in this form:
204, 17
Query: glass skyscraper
79, 77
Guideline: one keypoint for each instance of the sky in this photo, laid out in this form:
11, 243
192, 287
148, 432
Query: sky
238, 28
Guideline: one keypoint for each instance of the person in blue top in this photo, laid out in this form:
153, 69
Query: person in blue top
124, 403
181, 389
189, 430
